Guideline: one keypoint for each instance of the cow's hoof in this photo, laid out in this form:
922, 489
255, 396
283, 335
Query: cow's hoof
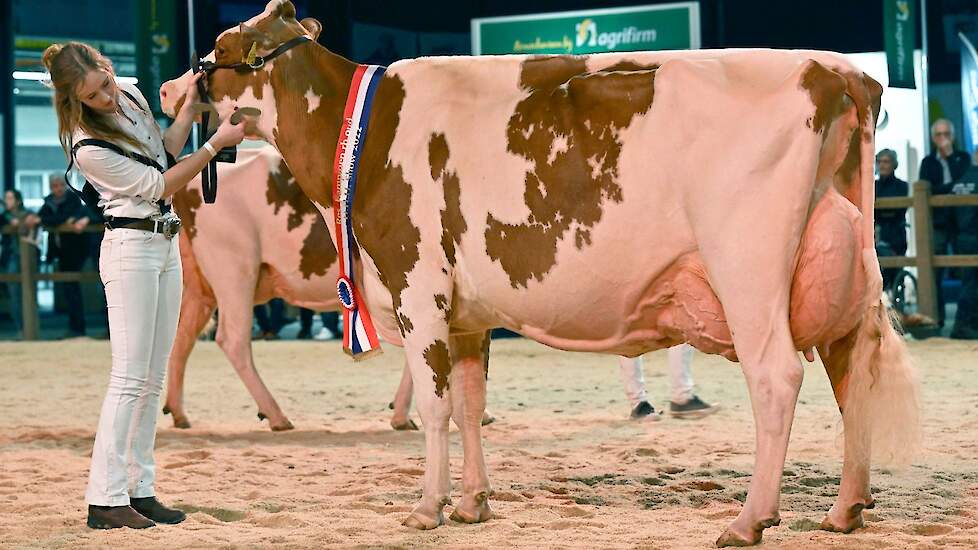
282, 426
423, 523
734, 537
408, 425
846, 521
180, 420
476, 511
487, 418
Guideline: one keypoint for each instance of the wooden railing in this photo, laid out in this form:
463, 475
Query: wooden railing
920, 201
29, 277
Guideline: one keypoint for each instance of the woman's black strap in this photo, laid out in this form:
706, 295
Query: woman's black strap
88, 193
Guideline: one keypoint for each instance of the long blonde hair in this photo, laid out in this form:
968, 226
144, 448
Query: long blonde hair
69, 64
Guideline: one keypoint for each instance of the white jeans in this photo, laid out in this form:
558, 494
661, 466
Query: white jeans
143, 281
680, 377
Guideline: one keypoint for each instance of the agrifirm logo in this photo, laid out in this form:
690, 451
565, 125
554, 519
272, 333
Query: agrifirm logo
587, 35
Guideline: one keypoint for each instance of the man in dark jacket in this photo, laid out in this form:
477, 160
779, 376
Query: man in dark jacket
892, 224
943, 168
63, 211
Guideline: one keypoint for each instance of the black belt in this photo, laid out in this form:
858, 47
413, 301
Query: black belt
134, 223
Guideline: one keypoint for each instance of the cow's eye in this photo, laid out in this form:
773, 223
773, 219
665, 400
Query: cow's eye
219, 51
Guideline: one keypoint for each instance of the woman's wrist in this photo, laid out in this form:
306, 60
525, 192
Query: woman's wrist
211, 148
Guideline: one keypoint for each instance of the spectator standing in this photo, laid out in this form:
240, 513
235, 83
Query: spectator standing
942, 168
66, 218
22, 223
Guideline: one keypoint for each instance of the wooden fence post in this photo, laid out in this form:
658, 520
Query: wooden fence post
924, 239
28, 289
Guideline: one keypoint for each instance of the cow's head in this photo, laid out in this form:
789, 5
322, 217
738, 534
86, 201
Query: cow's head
229, 89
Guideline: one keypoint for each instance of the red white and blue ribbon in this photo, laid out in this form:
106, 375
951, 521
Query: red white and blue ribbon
359, 336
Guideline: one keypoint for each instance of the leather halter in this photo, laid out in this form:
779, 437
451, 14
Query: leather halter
250, 64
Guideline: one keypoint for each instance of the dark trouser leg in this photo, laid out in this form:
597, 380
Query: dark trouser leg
277, 317
331, 320
74, 261
305, 319
261, 316
967, 314
940, 247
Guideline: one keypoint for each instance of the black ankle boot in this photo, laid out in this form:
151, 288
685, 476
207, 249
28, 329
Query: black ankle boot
154, 510
114, 517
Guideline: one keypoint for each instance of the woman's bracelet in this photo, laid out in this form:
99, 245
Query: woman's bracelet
210, 149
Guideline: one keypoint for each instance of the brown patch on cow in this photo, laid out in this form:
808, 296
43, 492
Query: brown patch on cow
380, 208
185, 204
317, 253
404, 323
441, 302
471, 346
875, 91
826, 89
565, 189
284, 192
547, 71
452, 222
437, 357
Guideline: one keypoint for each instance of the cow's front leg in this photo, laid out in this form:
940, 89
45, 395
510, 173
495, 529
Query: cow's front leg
774, 375
470, 356
430, 364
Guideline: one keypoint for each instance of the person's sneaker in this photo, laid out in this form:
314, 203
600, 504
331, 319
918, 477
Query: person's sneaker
645, 411
304, 334
71, 334
325, 334
694, 408
154, 510
115, 517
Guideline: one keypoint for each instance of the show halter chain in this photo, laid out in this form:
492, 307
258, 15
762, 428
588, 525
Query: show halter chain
359, 336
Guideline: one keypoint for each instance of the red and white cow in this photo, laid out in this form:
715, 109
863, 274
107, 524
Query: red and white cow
262, 239
617, 203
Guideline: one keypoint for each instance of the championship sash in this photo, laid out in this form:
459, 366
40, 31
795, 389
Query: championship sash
359, 336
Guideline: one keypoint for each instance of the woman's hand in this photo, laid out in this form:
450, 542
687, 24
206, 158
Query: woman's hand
228, 134
190, 95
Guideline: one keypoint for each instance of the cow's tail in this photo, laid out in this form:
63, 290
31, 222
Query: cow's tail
882, 393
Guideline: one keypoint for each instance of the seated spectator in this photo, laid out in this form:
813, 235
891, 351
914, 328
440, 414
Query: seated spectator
891, 223
66, 218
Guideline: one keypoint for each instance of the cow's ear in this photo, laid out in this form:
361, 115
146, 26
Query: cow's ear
253, 42
285, 10
312, 26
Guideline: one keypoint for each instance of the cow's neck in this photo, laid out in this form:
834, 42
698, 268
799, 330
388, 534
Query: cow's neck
307, 140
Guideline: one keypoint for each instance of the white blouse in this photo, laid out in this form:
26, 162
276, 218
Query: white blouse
127, 188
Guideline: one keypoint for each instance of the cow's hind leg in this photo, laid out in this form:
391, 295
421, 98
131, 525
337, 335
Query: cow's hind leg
234, 338
854, 492
402, 403
774, 375
196, 308
470, 356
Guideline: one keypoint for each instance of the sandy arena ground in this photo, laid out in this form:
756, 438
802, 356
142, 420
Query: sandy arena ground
569, 469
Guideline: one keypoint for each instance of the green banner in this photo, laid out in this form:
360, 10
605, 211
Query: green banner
661, 27
156, 47
900, 37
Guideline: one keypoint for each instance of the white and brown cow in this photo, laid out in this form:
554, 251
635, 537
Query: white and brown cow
617, 203
263, 239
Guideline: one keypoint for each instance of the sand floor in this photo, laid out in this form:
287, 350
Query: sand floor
569, 469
